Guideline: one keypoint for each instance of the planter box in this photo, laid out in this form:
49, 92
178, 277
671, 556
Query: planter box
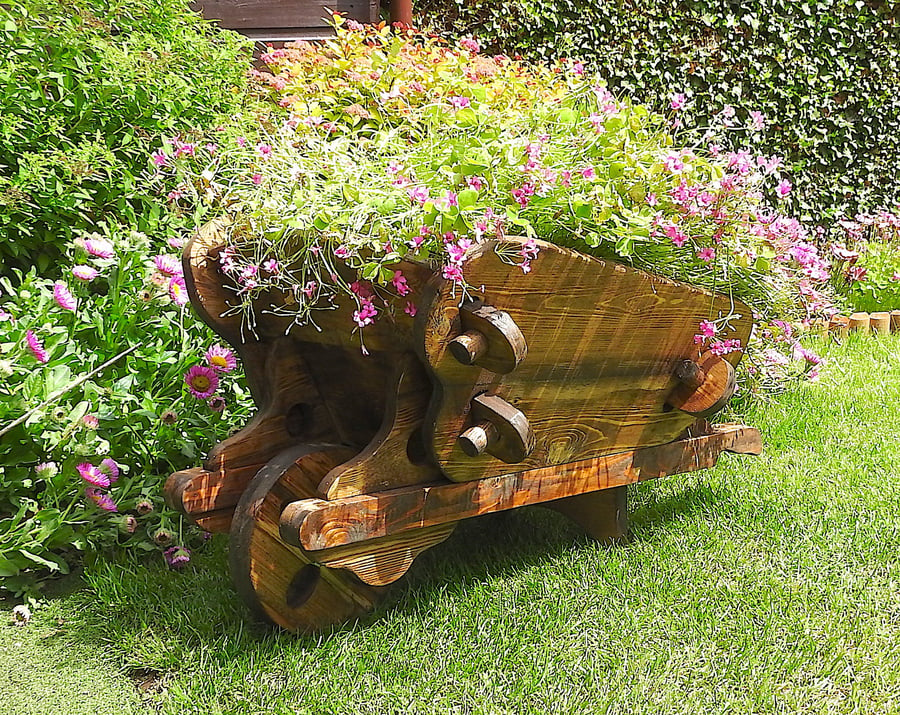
556, 388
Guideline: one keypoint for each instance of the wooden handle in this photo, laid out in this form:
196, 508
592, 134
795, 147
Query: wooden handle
469, 347
476, 440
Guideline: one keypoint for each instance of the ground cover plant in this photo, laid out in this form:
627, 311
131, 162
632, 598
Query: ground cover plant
822, 75
382, 145
767, 584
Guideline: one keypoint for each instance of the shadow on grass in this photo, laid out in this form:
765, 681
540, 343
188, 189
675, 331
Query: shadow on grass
159, 619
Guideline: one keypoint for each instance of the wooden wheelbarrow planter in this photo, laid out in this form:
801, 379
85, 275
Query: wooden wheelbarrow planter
557, 388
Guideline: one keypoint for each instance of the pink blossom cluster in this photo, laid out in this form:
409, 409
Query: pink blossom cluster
203, 381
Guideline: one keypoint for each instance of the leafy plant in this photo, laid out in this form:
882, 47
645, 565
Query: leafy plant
823, 75
85, 87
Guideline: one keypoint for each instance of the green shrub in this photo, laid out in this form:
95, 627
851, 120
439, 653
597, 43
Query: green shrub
85, 87
824, 74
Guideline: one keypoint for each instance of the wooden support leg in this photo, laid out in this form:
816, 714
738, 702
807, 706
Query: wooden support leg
603, 515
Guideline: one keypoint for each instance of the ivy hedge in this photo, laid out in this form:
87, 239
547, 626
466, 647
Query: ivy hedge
825, 73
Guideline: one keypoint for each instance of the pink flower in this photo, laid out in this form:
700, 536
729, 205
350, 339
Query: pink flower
93, 476
175, 242
896, 276
99, 247
366, 314
460, 102
90, 421
104, 501
220, 359
410, 309
475, 182
706, 254
341, 252
589, 173
418, 194
757, 121
399, 283
452, 272
177, 556
216, 404
784, 188
678, 101
707, 328
270, 266
241, 142
85, 273
264, 150
578, 68
159, 158
673, 163
167, 265
256, 179
110, 468
63, 296
36, 347
202, 381
467, 43
723, 347
178, 290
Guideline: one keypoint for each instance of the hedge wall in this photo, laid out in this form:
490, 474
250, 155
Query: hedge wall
826, 74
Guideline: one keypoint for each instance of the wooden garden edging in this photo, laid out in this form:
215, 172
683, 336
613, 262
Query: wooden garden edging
880, 323
556, 388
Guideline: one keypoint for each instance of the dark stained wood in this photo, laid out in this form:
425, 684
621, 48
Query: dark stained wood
602, 342
283, 15
511, 439
491, 339
603, 515
319, 524
279, 582
706, 386
396, 455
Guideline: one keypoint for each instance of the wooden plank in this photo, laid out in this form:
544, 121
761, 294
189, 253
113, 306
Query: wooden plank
603, 515
603, 341
316, 524
248, 14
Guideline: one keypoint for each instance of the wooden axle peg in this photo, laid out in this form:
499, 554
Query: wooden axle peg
476, 440
499, 429
469, 347
704, 386
490, 339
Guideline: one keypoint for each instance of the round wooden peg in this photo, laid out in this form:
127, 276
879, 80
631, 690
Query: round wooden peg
859, 323
880, 323
469, 347
476, 440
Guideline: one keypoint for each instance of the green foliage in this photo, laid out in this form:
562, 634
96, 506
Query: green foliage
824, 74
85, 87
134, 410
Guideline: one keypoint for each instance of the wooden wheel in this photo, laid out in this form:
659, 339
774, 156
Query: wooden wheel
282, 583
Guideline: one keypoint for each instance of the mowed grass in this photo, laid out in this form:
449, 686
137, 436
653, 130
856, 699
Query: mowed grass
768, 584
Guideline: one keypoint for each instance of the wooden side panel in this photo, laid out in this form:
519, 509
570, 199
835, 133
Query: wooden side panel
603, 341
282, 14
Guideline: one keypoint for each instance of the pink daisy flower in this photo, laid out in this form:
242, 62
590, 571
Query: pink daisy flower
216, 404
85, 273
167, 265
220, 359
36, 347
178, 291
202, 381
93, 476
91, 421
63, 296
177, 556
104, 501
706, 254
99, 247
110, 468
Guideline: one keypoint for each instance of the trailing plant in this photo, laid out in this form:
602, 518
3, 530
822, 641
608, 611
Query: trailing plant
86, 87
823, 75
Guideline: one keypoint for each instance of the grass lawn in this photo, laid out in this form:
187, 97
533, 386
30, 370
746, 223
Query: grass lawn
768, 584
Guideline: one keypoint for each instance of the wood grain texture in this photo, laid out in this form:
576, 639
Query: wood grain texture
706, 386
880, 323
396, 455
603, 341
603, 515
319, 524
251, 14
277, 581
859, 323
